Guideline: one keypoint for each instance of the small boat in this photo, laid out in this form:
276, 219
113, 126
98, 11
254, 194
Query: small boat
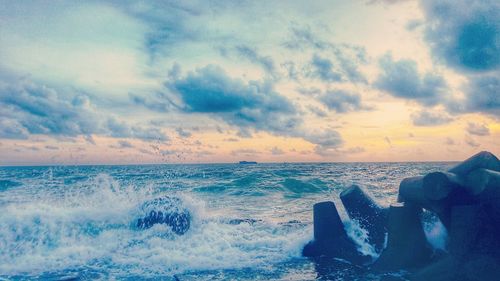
247, 162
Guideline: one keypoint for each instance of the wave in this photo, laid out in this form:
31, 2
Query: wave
92, 225
6, 184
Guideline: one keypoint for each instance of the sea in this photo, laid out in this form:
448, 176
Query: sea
248, 222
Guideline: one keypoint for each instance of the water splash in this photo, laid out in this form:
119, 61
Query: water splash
360, 237
92, 224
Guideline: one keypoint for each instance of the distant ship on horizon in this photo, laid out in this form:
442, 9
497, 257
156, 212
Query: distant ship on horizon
247, 162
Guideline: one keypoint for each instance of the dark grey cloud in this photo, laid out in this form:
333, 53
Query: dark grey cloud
477, 129
482, 94
29, 108
427, 118
342, 101
402, 79
246, 105
465, 34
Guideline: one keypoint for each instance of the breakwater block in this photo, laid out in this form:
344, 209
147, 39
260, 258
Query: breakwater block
483, 159
370, 216
439, 185
407, 246
165, 210
330, 237
466, 198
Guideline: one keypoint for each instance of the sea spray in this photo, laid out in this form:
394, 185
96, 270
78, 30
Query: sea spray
80, 222
91, 222
361, 238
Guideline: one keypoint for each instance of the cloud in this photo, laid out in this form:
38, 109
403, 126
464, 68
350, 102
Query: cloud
125, 144
322, 68
388, 141
464, 34
29, 108
481, 95
430, 118
183, 133
277, 151
246, 105
51, 147
245, 151
266, 62
342, 101
317, 111
449, 141
349, 59
302, 38
471, 142
387, 2
401, 79
327, 141
477, 129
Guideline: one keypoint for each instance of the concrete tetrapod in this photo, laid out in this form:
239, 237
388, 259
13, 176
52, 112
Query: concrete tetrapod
407, 246
330, 237
483, 159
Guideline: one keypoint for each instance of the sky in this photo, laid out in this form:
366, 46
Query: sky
136, 82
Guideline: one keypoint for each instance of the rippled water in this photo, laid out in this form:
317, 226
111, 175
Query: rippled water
249, 222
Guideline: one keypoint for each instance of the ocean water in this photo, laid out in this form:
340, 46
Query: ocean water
249, 222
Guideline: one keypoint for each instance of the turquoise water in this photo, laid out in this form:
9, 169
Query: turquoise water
249, 222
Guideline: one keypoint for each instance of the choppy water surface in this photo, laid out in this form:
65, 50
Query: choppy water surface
249, 222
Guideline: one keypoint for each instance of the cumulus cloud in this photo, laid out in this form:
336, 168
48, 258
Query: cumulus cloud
326, 140
252, 105
402, 79
481, 95
322, 68
430, 118
29, 108
464, 34
343, 68
477, 129
342, 101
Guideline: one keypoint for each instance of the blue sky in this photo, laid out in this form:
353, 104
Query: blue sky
220, 81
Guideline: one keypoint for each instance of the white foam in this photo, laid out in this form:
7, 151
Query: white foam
92, 224
360, 237
436, 233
